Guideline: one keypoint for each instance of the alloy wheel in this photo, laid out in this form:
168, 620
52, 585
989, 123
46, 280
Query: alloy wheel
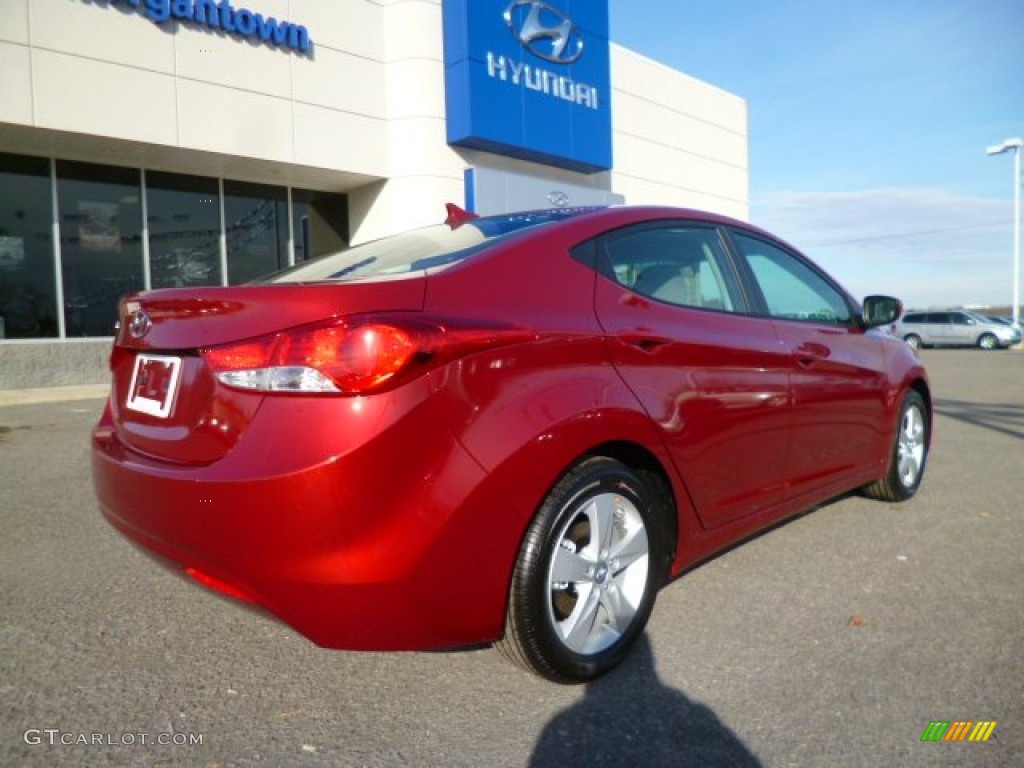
911, 446
598, 573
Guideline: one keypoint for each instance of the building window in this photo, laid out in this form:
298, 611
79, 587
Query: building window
28, 290
100, 214
183, 214
103, 252
256, 225
320, 223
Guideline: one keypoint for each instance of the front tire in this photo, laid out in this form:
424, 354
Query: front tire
988, 341
587, 574
909, 453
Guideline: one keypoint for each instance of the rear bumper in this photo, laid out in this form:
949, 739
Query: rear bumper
338, 524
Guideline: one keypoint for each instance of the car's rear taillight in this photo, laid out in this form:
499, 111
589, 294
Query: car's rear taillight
352, 356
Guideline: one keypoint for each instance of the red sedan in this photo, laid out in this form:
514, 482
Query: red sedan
512, 429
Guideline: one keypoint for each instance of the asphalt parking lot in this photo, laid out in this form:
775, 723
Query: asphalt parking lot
833, 640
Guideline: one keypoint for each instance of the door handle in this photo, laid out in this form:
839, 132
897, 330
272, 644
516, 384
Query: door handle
809, 353
645, 342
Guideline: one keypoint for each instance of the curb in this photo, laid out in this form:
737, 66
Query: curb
53, 394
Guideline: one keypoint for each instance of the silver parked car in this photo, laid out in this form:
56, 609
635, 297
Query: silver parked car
954, 328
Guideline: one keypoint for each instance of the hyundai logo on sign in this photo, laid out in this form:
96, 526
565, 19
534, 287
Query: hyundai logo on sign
545, 31
558, 199
541, 93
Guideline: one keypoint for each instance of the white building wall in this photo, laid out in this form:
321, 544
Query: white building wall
423, 172
363, 114
99, 69
677, 140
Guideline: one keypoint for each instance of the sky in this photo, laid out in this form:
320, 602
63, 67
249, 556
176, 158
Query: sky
868, 123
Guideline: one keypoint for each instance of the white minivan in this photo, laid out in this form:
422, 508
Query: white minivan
954, 328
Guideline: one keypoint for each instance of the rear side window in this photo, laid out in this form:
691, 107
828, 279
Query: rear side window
791, 289
674, 263
916, 318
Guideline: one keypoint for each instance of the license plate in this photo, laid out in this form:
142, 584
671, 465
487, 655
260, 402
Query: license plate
154, 384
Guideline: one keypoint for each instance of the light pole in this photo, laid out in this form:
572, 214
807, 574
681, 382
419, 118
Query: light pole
998, 149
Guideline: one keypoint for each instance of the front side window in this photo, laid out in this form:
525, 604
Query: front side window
791, 289
677, 264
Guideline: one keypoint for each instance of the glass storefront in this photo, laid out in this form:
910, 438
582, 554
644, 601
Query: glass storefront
122, 230
256, 223
183, 214
100, 243
320, 223
28, 290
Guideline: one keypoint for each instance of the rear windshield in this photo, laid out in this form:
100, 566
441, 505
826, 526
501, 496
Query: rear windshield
421, 249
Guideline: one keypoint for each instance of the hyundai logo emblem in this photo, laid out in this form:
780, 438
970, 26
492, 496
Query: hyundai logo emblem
544, 31
138, 324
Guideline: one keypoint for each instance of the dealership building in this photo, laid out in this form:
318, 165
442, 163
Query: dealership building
167, 143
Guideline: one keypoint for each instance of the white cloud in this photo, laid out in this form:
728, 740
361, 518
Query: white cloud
927, 246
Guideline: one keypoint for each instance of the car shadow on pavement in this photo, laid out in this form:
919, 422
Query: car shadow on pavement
1005, 418
630, 718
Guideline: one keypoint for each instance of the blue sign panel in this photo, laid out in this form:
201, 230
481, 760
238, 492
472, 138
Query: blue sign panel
530, 79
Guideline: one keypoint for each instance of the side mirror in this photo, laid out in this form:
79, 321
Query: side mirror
881, 310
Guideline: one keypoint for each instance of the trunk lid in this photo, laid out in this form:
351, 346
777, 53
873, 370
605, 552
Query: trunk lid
166, 402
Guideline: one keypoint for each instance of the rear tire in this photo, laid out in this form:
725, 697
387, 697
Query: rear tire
913, 340
988, 341
587, 575
909, 453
